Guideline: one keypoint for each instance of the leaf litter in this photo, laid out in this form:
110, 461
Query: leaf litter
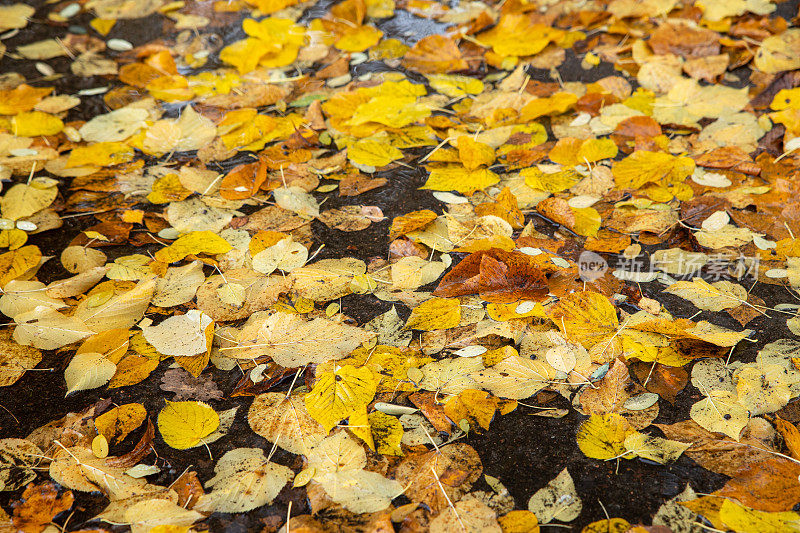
568, 230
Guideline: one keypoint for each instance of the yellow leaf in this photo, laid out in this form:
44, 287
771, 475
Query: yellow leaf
387, 432
107, 310
611, 525
101, 154
516, 35
13, 239
269, 7
585, 317
112, 344
275, 30
115, 424
455, 86
411, 222
603, 436
274, 42
162, 137
339, 394
473, 154
709, 297
643, 167
552, 105
88, 371
173, 88
244, 54
102, 26
552, 182
23, 200
570, 152
786, 99
195, 242
764, 388
35, 123
184, 425
394, 111
779, 52
359, 39
100, 447
15, 263
721, 413
21, 98
436, 313
391, 365
505, 312
656, 449
474, 406
133, 369
457, 178
168, 189
373, 153
358, 424
587, 221
380, 9
285, 422
519, 522
744, 519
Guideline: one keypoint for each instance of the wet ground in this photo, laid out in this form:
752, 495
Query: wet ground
522, 450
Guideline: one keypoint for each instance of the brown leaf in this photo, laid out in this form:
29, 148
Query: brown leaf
433, 411
512, 280
666, 381
139, 452
684, 40
505, 206
498, 276
69, 430
355, 185
187, 387
189, 489
728, 158
450, 470
770, 485
716, 452
635, 132
351, 217
791, 436
744, 313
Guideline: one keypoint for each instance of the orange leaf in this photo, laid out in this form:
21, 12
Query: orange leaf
411, 222
22, 98
505, 207
243, 181
38, 506
791, 435
435, 54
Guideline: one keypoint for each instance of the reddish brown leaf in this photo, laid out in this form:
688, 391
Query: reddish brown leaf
512, 280
139, 452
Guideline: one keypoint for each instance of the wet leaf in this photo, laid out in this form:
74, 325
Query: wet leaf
184, 425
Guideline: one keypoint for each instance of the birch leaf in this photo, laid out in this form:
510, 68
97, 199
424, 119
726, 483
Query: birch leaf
47, 329
88, 371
